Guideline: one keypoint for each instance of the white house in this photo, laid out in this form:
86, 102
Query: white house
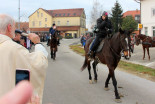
148, 17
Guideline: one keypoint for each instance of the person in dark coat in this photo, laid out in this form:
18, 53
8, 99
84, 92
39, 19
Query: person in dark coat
104, 27
51, 32
17, 37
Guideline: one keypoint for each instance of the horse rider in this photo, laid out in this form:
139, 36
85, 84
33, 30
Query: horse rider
104, 27
51, 32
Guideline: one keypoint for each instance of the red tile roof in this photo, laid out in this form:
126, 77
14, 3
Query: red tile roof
68, 28
66, 12
131, 13
23, 25
60, 28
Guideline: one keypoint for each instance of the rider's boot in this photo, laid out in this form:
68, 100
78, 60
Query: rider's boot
90, 54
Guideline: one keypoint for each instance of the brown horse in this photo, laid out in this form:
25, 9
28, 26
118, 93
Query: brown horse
53, 45
110, 55
147, 42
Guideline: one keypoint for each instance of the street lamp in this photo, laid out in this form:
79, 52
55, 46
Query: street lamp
19, 16
139, 1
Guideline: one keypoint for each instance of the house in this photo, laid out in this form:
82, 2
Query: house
70, 22
148, 17
136, 16
24, 26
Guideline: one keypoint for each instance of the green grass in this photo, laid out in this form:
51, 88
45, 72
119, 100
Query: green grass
78, 49
127, 66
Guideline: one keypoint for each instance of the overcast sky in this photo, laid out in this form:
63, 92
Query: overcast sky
29, 6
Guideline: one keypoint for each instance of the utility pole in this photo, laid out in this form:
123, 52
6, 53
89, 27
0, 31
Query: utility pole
19, 16
139, 1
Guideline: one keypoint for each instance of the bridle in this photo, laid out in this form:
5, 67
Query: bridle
118, 55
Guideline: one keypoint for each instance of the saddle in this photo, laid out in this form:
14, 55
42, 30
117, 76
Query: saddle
99, 48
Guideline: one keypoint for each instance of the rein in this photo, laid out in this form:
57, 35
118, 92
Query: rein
118, 55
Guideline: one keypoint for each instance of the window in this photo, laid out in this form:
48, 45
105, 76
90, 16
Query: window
45, 19
68, 14
58, 22
64, 14
39, 23
38, 13
33, 23
59, 14
67, 22
53, 22
55, 14
153, 31
153, 12
146, 30
41, 14
74, 14
45, 25
137, 17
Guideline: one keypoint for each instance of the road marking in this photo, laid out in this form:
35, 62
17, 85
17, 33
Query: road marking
150, 63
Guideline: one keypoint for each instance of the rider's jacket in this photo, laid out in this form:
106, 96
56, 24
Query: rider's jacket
104, 27
51, 31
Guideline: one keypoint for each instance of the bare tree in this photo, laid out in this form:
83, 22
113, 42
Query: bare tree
95, 12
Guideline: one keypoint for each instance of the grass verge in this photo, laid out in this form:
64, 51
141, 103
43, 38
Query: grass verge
136, 69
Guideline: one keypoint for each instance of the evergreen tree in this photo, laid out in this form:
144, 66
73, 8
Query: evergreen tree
129, 23
117, 14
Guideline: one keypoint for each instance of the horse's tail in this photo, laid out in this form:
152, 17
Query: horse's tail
84, 64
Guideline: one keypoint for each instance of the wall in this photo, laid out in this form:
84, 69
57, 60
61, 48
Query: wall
146, 16
73, 21
35, 18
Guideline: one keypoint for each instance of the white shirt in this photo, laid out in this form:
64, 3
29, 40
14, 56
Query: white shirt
13, 56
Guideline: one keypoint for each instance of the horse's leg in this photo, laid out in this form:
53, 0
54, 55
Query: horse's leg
51, 52
107, 82
95, 73
148, 53
112, 74
89, 71
54, 54
143, 52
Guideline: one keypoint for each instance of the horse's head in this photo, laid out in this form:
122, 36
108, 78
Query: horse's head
123, 42
137, 39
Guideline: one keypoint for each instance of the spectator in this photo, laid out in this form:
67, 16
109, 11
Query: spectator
15, 56
17, 37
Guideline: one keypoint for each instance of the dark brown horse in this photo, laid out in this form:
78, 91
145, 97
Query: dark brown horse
147, 42
109, 55
53, 45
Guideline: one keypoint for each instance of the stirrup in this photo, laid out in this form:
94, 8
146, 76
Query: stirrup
90, 54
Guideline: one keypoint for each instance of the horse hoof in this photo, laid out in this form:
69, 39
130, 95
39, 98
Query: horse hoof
90, 82
118, 100
95, 81
106, 89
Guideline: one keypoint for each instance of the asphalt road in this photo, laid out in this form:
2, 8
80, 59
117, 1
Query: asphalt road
66, 84
137, 57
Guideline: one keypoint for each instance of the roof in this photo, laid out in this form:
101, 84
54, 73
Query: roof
66, 12
131, 13
60, 28
23, 25
76, 12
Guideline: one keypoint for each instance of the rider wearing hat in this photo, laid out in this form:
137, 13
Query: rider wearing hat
51, 32
104, 28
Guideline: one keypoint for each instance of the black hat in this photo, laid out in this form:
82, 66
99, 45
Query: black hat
53, 24
18, 31
105, 13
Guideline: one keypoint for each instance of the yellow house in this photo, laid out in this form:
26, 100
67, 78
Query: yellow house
70, 22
